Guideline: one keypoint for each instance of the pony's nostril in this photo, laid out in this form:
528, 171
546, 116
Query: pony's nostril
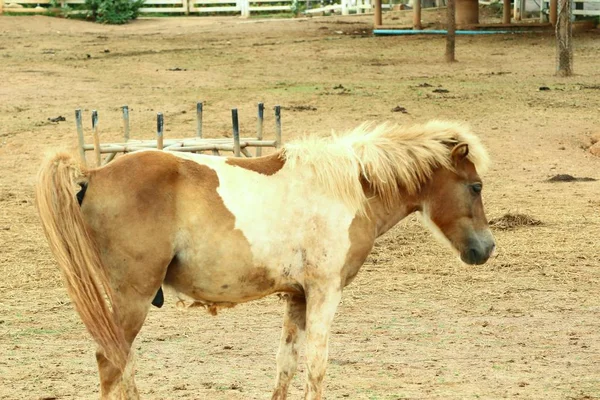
473, 256
478, 250
477, 255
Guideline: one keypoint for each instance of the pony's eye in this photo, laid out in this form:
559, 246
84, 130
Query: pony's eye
476, 188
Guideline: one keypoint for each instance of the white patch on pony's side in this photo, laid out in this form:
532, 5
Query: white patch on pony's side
288, 220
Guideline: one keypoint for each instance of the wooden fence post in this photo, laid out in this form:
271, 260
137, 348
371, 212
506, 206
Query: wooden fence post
259, 129
160, 127
244, 8
345, 10
553, 11
125, 123
417, 14
506, 12
451, 29
236, 132
564, 44
199, 119
278, 127
96, 138
79, 124
519, 9
377, 11
522, 8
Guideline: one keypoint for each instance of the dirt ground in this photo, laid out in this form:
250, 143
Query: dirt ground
415, 323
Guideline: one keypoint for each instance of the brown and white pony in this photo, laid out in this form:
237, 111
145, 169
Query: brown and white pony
222, 231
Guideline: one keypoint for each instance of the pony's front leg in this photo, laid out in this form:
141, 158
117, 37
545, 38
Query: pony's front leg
294, 324
321, 304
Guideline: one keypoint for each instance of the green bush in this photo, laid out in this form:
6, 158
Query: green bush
114, 11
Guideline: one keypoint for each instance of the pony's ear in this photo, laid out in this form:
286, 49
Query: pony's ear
460, 152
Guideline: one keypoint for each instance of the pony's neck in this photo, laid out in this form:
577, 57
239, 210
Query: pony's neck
386, 218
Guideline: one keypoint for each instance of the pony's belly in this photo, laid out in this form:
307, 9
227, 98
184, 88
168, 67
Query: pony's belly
218, 291
227, 283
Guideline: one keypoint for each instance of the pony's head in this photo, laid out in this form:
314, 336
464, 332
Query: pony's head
452, 207
432, 168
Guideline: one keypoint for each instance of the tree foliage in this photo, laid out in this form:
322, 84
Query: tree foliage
114, 11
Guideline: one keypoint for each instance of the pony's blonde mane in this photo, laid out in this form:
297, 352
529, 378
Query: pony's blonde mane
391, 158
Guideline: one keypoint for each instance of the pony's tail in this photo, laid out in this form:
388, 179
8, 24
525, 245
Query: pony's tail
86, 277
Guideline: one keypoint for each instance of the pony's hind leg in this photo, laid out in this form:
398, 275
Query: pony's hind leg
294, 324
134, 288
114, 383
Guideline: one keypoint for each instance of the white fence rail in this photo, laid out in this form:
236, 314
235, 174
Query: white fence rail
242, 7
586, 8
345, 7
246, 7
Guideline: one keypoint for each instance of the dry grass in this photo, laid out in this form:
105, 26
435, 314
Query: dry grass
524, 325
512, 221
569, 178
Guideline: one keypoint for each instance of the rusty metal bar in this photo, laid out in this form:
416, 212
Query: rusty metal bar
236, 132
79, 124
278, 127
259, 129
199, 119
160, 125
125, 122
96, 138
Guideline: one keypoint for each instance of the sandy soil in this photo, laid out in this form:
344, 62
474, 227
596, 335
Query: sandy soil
415, 323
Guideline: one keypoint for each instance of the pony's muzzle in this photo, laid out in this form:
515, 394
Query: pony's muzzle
479, 249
